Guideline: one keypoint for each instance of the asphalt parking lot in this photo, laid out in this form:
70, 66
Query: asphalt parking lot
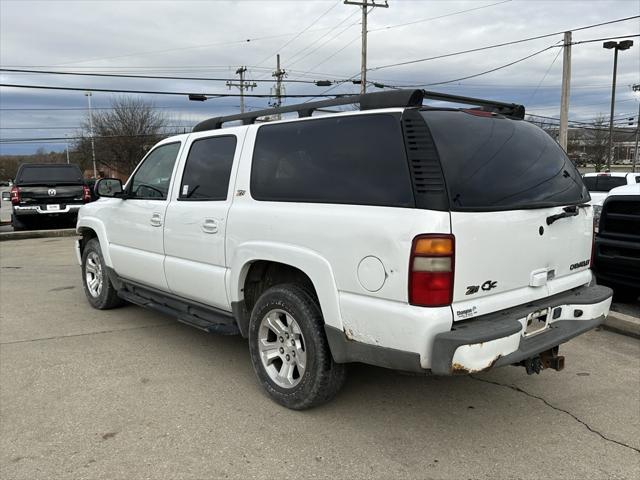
133, 394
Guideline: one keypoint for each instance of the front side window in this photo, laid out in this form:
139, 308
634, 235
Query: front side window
357, 160
208, 168
151, 181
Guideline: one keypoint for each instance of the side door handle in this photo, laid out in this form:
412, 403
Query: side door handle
156, 220
209, 225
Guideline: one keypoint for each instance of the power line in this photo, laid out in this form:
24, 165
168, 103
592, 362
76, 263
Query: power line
48, 139
348, 17
76, 127
389, 27
497, 45
176, 49
147, 92
288, 42
152, 77
522, 59
545, 75
604, 38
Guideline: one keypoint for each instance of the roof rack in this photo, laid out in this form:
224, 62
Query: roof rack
367, 101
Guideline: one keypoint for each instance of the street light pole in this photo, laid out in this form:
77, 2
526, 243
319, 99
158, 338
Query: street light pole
93, 146
613, 106
623, 45
636, 88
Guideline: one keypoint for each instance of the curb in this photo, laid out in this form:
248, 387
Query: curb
623, 324
66, 232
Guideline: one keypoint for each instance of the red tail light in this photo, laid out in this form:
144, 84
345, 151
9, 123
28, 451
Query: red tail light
15, 195
86, 194
431, 270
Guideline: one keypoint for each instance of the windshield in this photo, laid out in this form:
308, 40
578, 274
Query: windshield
494, 163
49, 174
603, 183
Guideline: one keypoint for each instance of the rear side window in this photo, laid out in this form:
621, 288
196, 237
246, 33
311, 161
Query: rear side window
603, 183
49, 173
494, 163
208, 167
352, 159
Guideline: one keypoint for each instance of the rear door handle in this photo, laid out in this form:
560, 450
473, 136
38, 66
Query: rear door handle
156, 220
209, 226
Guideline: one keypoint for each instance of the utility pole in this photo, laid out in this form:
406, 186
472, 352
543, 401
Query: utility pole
93, 146
636, 88
564, 98
363, 61
242, 85
279, 74
66, 144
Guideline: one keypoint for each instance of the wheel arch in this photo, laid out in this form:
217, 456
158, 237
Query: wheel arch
292, 264
89, 228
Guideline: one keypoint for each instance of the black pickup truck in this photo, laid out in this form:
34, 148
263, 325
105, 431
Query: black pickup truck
617, 244
47, 192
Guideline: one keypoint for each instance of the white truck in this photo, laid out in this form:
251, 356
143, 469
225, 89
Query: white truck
600, 184
424, 239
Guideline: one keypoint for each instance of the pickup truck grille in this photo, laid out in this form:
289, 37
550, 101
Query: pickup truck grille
621, 217
617, 245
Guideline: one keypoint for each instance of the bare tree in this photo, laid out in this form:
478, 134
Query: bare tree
597, 142
123, 134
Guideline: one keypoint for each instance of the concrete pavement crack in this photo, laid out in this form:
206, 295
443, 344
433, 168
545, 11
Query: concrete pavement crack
86, 334
582, 422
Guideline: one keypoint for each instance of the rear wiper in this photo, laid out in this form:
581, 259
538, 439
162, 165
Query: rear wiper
570, 211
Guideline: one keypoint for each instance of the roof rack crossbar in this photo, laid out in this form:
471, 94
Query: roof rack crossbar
367, 101
507, 109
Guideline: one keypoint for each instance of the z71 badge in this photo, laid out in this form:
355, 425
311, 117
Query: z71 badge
486, 286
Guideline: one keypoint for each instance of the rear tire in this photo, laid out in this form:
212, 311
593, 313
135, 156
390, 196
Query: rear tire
289, 349
97, 286
17, 224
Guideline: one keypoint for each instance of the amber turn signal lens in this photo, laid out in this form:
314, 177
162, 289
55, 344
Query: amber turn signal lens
433, 246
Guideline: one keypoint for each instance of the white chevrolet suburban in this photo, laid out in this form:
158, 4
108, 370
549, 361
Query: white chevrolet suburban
425, 239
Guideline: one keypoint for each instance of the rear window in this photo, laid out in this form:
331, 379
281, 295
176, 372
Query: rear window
352, 159
494, 163
49, 174
603, 183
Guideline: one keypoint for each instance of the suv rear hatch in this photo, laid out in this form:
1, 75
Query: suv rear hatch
522, 231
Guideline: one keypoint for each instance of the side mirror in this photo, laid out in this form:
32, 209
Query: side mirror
6, 195
108, 187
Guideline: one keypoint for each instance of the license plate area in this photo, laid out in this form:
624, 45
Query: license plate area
536, 322
54, 207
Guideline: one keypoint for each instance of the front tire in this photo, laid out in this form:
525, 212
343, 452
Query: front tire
97, 287
289, 349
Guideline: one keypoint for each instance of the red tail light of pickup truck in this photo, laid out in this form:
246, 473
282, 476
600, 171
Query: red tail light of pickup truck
86, 194
15, 195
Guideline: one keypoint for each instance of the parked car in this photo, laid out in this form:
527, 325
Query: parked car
617, 247
413, 238
600, 183
46, 192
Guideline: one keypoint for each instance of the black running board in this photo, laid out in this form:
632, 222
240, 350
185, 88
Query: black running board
191, 313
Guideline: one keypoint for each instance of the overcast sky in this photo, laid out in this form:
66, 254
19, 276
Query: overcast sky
317, 40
